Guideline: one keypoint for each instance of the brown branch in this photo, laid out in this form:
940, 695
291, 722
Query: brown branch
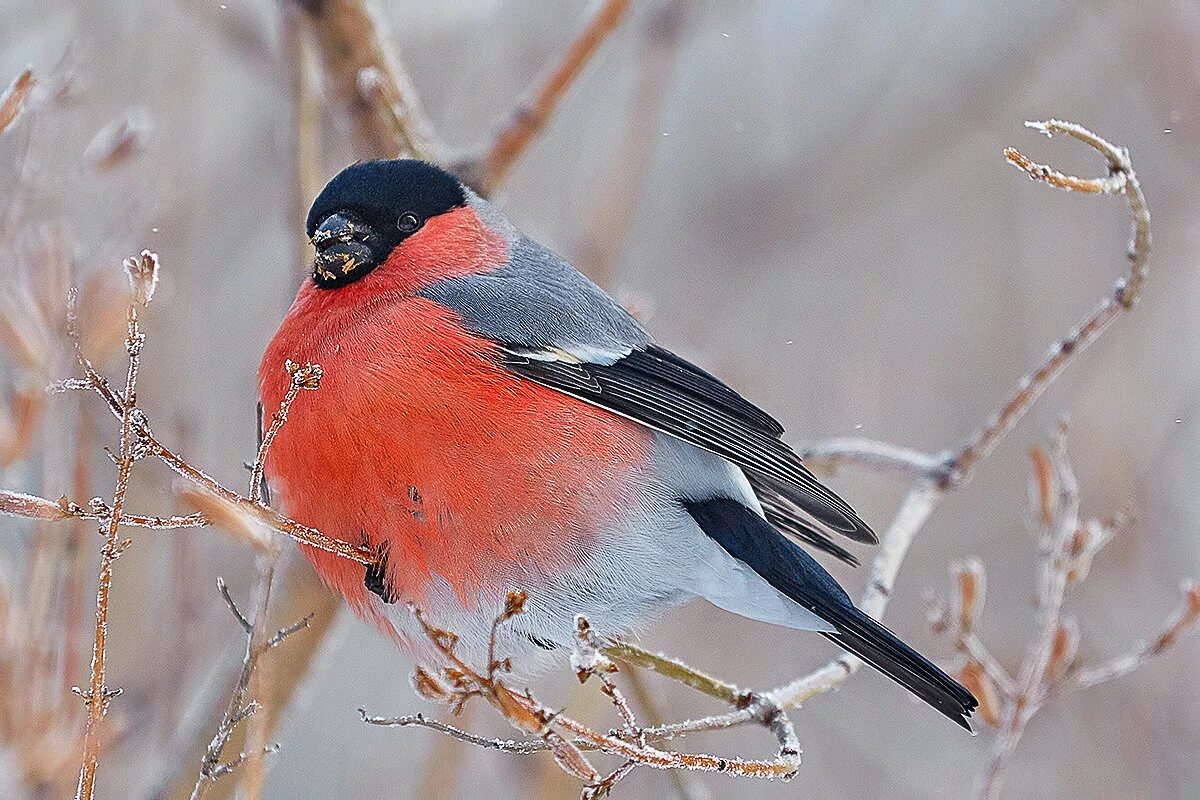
98, 694
264, 515
457, 682
12, 100
303, 377
18, 504
365, 76
1067, 547
1032, 681
957, 469
529, 120
1181, 623
238, 710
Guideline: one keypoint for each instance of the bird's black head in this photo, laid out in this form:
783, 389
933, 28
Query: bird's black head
368, 209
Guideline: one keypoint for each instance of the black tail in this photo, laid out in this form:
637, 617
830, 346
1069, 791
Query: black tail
751, 539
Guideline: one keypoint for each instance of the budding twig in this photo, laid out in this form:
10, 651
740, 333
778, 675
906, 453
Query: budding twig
98, 694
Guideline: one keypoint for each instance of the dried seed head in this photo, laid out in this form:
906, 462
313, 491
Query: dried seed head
12, 101
517, 710
228, 517
118, 142
970, 582
142, 272
1193, 600
429, 687
444, 639
587, 654
570, 758
306, 376
24, 505
1043, 489
975, 679
1064, 648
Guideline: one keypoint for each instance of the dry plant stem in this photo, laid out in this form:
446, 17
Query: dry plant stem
676, 670
554, 729
1121, 179
939, 474
260, 513
529, 120
874, 455
685, 788
956, 469
1182, 623
364, 74
98, 694
238, 710
18, 504
1032, 682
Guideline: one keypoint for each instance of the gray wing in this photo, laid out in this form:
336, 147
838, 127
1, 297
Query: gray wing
557, 328
538, 301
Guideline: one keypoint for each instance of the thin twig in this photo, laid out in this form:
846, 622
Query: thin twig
260, 513
529, 120
238, 710
521, 747
1124, 296
98, 694
1180, 624
1056, 566
676, 670
871, 454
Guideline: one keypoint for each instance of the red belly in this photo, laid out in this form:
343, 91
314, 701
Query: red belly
418, 441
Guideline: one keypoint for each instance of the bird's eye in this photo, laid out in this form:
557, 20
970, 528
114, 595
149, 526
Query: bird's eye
408, 222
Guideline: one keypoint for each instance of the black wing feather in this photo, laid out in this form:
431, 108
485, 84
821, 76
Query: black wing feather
749, 538
664, 392
787, 517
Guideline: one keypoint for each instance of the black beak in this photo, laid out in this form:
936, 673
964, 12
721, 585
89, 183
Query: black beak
343, 250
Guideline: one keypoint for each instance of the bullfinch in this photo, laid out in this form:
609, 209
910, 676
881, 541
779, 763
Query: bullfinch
490, 419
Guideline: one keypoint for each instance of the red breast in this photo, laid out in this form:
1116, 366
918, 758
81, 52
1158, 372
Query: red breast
418, 441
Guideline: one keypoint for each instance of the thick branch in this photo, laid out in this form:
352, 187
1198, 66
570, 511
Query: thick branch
365, 76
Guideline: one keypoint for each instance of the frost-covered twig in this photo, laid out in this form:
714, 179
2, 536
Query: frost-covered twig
98, 694
238, 710
1067, 546
455, 682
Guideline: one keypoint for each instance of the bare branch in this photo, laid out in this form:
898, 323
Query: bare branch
1124, 296
303, 377
98, 694
364, 74
831, 453
1181, 624
237, 710
521, 747
529, 120
676, 670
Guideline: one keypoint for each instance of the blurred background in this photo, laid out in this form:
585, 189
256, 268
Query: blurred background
808, 199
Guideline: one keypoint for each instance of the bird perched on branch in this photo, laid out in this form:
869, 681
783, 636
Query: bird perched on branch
490, 419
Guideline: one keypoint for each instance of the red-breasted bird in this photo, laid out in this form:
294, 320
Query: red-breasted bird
490, 419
